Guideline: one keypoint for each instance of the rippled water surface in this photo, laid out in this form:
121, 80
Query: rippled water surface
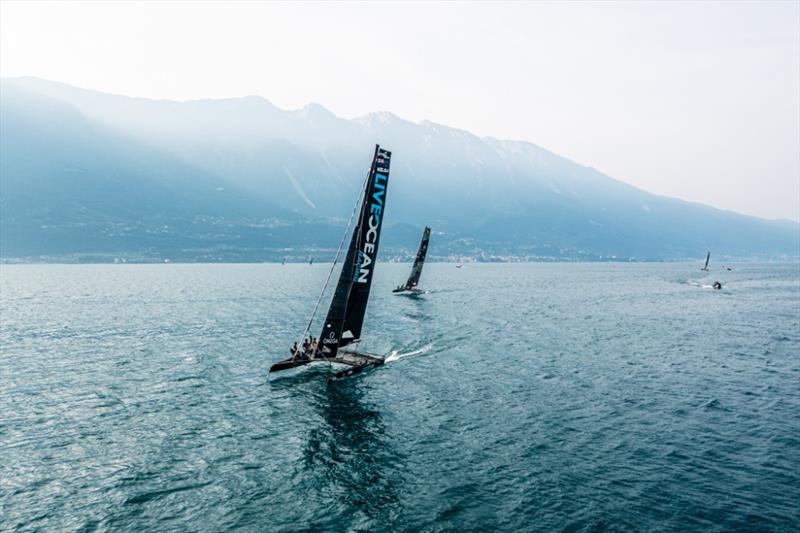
536, 397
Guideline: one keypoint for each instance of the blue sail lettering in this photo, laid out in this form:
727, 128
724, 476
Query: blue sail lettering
362, 269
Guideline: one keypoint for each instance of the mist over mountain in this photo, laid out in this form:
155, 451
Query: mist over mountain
92, 176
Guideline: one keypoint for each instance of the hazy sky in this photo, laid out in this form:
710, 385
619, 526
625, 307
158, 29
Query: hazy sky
695, 100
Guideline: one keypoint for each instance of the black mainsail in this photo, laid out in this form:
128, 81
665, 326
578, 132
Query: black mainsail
349, 305
345, 316
419, 261
705, 267
367, 249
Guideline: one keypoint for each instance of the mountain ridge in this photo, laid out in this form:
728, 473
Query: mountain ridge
485, 196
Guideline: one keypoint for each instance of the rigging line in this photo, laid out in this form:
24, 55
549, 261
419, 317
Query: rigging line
336, 258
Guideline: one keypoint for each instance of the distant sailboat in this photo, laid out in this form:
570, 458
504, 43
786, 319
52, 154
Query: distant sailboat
283, 261
345, 317
705, 267
416, 270
310, 260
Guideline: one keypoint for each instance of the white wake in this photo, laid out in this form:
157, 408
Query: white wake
394, 356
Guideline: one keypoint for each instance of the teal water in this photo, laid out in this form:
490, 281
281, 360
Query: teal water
535, 397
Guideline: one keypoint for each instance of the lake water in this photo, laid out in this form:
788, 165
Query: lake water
522, 397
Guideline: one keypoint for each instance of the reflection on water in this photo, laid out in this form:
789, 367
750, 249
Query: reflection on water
349, 456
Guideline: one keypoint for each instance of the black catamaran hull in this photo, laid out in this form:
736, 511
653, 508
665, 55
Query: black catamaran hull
353, 370
288, 364
355, 361
402, 290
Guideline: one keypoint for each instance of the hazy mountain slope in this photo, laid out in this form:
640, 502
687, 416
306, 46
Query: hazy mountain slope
242, 159
71, 185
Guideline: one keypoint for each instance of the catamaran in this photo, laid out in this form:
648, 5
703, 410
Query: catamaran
416, 270
705, 267
342, 326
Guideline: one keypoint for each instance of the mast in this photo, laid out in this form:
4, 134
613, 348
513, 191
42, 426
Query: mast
708, 256
348, 306
416, 270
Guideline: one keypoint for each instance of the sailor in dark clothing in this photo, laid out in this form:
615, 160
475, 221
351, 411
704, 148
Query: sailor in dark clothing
311, 347
293, 349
